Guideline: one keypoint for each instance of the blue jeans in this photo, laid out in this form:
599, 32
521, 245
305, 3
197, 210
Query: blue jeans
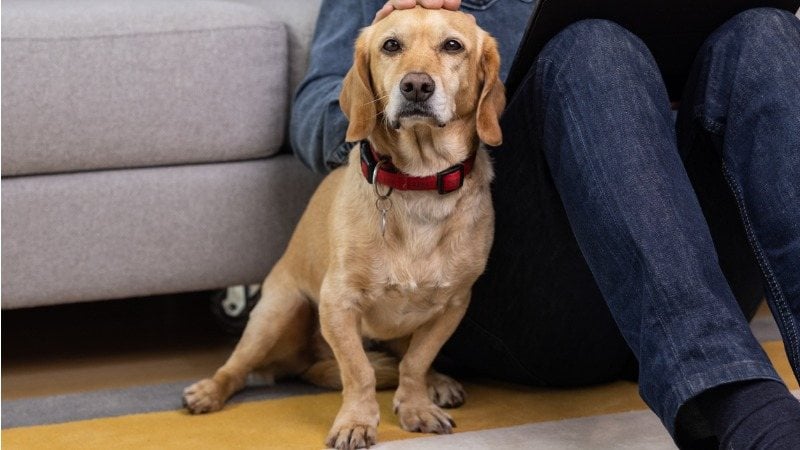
617, 234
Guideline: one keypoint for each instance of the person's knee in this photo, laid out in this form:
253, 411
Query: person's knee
594, 55
766, 22
593, 46
757, 32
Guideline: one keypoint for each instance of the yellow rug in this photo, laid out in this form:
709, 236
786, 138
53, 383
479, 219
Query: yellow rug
302, 422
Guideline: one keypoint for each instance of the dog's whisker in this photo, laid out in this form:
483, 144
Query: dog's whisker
378, 99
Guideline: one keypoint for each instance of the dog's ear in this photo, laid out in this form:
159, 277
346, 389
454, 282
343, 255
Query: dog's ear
357, 98
493, 95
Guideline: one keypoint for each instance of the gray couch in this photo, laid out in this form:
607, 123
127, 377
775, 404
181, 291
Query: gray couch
144, 145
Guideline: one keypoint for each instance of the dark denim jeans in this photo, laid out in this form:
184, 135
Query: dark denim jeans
615, 235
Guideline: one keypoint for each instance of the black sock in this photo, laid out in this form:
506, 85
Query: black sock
757, 414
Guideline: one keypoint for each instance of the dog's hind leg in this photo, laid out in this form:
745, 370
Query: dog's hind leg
443, 391
325, 372
276, 335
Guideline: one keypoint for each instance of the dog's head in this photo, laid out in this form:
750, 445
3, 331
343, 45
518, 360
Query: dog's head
429, 67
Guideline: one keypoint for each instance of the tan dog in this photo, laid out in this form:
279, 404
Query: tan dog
424, 89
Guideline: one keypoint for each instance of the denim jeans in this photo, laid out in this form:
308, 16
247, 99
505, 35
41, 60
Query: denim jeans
617, 232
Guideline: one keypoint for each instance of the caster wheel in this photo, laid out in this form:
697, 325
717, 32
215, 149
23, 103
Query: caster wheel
231, 307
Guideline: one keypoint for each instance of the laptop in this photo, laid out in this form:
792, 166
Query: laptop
673, 30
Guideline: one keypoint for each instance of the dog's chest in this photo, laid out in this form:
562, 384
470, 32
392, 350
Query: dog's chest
413, 287
396, 311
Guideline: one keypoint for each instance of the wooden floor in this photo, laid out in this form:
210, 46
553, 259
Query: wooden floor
111, 344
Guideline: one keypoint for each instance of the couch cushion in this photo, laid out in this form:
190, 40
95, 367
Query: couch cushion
93, 84
138, 232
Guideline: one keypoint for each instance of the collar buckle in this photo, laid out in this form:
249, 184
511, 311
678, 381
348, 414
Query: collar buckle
440, 179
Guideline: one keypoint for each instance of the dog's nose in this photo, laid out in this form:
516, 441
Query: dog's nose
417, 86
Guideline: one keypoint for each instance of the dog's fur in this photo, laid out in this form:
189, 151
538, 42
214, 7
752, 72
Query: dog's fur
341, 279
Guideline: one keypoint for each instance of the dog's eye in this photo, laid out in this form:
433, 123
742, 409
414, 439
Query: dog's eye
452, 45
391, 46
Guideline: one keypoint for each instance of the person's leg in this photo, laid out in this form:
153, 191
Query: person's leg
744, 98
610, 143
536, 315
742, 109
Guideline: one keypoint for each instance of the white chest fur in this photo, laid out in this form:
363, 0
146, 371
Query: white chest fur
415, 284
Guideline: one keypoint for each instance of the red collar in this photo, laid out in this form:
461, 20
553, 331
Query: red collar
444, 182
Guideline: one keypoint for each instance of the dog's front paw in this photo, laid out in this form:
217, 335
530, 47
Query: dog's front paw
202, 397
424, 418
352, 436
445, 391
354, 428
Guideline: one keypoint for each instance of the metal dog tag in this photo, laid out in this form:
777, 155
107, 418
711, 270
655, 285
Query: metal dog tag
383, 204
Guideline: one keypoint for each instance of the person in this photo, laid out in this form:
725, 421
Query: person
624, 237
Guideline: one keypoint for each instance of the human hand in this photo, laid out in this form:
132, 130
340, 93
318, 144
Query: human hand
391, 5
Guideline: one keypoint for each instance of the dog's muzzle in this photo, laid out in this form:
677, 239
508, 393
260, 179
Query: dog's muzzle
417, 97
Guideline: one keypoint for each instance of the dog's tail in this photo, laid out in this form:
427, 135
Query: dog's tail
325, 373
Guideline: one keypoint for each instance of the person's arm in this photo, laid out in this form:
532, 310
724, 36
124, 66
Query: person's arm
318, 125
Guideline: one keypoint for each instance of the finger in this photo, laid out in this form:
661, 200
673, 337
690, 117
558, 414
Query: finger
391, 5
452, 5
431, 4
403, 4
383, 12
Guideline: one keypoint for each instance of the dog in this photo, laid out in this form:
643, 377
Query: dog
391, 243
